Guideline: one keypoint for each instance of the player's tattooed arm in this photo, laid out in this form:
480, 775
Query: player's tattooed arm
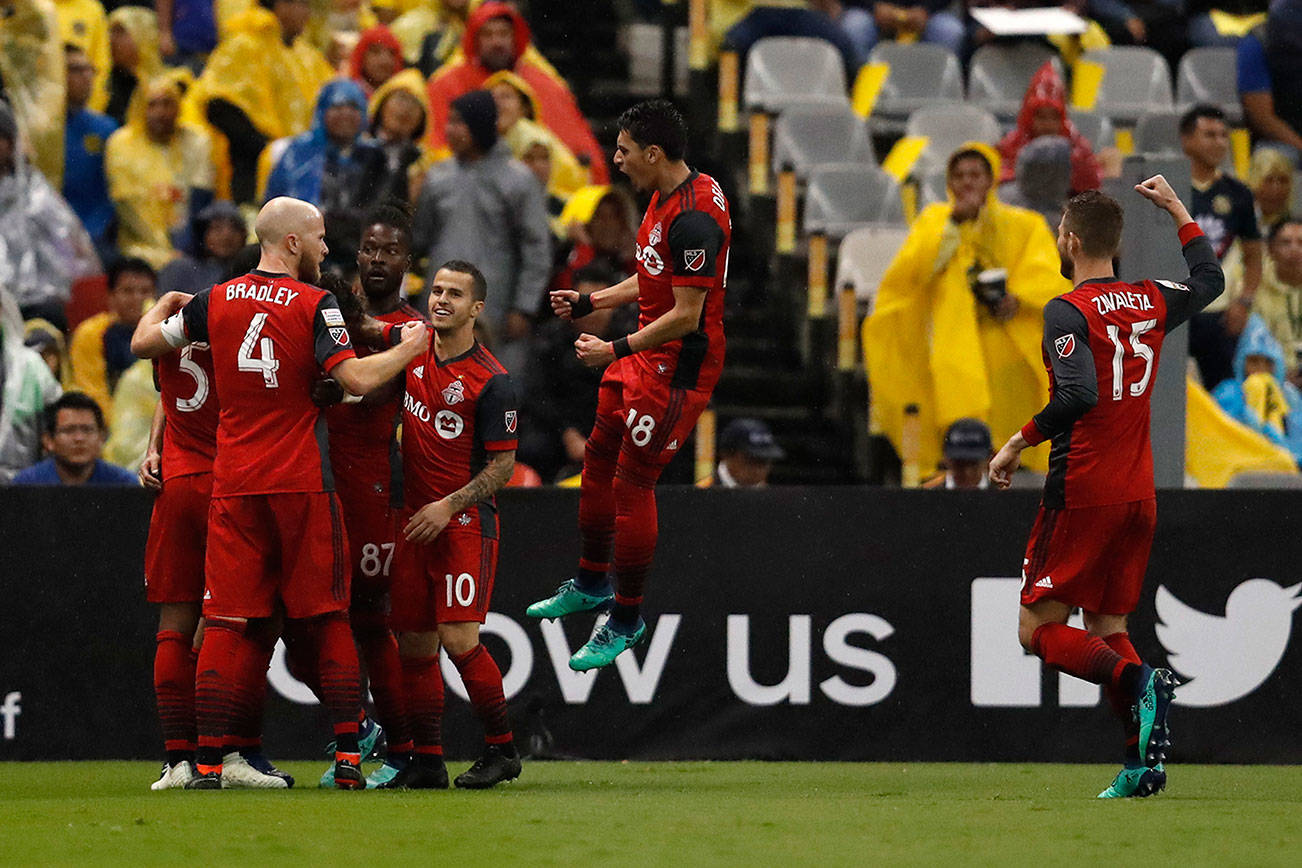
428, 521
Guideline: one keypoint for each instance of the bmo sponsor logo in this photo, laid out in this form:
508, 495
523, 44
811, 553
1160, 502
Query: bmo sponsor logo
650, 259
415, 407
642, 679
448, 424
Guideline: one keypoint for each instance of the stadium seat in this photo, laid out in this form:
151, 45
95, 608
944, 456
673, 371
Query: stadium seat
1094, 127
1000, 74
1043, 180
786, 71
921, 74
931, 187
814, 135
1136, 81
1209, 75
947, 127
1266, 480
864, 256
842, 196
1158, 132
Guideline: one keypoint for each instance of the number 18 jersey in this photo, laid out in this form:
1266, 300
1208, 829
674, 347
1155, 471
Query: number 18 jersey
270, 336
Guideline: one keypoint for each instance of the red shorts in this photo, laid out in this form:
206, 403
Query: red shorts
178, 537
656, 417
264, 547
372, 538
444, 582
1093, 557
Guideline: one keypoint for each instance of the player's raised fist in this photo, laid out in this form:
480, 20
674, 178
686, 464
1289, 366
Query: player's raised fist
1159, 192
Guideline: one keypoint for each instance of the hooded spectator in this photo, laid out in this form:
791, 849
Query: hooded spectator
1044, 113
399, 115
136, 58
83, 23
44, 337
497, 38
27, 388
219, 233
1270, 177
375, 59
517, 113
32, 69
431, 31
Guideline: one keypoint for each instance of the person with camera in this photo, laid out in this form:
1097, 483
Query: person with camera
957, 321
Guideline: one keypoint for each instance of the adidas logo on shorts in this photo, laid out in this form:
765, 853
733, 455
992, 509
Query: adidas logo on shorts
1046, 582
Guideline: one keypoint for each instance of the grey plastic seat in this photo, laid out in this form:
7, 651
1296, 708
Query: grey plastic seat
1000, 74
1043, 179
786, 71
1158, 132
921, 74
843, 196
1266, 480
864, 256
1209, 75
1136, 81
1096, 128
947, 127
932, 187
814, 135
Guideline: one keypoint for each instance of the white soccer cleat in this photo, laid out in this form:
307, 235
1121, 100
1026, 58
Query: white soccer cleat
238, 774
174, 777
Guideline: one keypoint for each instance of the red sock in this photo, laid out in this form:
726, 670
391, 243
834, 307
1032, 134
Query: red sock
636, 528
1120, 700
300, 655
174, 664
1078, 653
218, 690
246, 723
597, 498
423, 683
483, 682
336, 657
384, 669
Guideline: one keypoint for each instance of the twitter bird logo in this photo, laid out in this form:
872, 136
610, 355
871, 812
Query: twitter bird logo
1224, 659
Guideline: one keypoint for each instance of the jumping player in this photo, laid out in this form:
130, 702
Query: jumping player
1090, 543
274, 528
659, 378
459, 438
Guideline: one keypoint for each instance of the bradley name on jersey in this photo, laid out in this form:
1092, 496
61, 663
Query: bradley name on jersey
281, 295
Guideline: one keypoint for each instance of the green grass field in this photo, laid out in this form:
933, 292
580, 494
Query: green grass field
664, 813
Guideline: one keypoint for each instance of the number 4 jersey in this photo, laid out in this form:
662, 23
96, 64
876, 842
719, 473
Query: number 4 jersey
270, 336
1101, 346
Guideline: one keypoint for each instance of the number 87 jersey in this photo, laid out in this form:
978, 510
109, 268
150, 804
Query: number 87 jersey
270, 336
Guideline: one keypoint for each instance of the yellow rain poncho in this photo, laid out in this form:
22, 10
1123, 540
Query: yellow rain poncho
149, 182
82, 23
568, 174
32, 66
1218, 448
142, 25
273, 83
930, 342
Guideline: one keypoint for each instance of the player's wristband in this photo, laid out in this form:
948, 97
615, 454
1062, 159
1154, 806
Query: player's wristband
621, 347
581, 307
1031, 434
1189, 231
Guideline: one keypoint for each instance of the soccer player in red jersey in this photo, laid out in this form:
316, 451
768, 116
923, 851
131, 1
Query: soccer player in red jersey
458, 449
274, 527
658, 379
1090, 543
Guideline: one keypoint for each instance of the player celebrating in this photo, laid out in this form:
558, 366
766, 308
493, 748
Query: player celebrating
459, 439
659, 378
1091, 539
274, 527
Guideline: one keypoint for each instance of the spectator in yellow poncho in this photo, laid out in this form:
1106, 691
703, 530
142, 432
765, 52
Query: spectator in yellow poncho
160, 172
32, 68
83, 23
136, 57
517, 123
261, 84
430, 31
931, 341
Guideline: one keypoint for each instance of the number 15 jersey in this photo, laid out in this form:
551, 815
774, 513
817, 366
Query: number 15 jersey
270, 336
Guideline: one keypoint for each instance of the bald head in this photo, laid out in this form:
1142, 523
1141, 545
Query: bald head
292, 235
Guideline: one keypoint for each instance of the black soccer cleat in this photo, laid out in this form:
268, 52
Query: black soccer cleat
489, 770
348, 775
209, 781
422, 774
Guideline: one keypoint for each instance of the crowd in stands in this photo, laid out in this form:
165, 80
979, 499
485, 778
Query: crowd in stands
136, 142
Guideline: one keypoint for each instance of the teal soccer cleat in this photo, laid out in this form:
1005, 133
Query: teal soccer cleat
1138, 782
607, 644
368, 737
568, 599
383, 775
1150, 711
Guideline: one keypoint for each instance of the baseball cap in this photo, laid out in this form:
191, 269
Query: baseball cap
967, 440
752, 437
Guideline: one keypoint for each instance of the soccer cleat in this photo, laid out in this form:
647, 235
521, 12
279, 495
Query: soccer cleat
348, 775
1150, 713
490, 769
369, 736
1138, 782
260, 762
568, 599
429, 774
605, 645
209, 781
174, 777
385, 773
239, 774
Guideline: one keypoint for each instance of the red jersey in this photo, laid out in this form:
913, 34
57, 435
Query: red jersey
683, 241
363, 449
454, 413
185, 383
271, 336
